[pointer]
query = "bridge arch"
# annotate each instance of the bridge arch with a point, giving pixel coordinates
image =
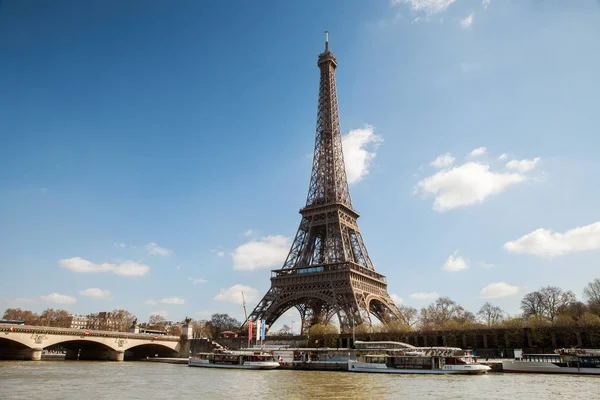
(149, 350)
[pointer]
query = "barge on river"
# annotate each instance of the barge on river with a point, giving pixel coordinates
(402, 358)
(564, 361)
(234, 360)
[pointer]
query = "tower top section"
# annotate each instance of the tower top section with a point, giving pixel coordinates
(327, 58)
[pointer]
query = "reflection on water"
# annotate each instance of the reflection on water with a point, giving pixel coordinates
(139, 380)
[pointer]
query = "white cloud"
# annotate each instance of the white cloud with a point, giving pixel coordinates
(248, 232)
(425, 296)
(196, 281)
(155, 250)
(485, 3)
(397, 299)
(178, 267)
(162, 313)
(120, 245)
(523, 165)
(270, 251)
(125, 268)
(455, 263)
(59, 298)
(545, 243)
(167, 300)
(467, 21)
(96, 293)
(480, 151)
(502, 156)
(234, 294)
(221, 254)
(465, 185)
(427, 6)
(356, 156)
(443, 160)
(497, 290)
(20, 302)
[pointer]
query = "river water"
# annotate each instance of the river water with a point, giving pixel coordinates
(143, 380)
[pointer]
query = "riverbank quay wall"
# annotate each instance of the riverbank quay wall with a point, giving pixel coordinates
(24, 342)
(486, 342)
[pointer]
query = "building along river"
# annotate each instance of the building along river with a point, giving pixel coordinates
(143, 380)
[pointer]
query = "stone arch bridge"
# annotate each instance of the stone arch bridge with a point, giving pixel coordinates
(28, 342)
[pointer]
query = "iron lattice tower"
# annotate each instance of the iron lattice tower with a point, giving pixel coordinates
(328, 271)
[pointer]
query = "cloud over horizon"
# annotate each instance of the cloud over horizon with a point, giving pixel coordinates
(95, 293)
(359, 146)
(58, 298)
(545, 243)
(467, 184)
(233, 294)
(167, 300)
(124, 268)
(498, 290)
(269, 251)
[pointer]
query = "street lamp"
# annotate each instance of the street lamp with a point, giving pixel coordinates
(293, 327)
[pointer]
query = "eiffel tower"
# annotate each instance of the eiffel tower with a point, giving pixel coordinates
(328, 271)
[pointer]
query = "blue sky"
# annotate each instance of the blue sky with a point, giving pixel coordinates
(155, 154)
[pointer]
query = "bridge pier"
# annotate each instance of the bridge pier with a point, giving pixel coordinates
(34, 354)
(116, 355)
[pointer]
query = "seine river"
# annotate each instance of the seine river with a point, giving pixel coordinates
(141, 380)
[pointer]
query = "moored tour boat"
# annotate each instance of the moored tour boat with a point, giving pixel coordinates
(234, 360)
(564, 361)
(402, 358)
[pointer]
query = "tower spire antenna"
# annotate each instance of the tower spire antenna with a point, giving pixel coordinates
(326, 40)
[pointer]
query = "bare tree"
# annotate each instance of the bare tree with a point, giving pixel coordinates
(57, 318)
(442, 311)
(555, 300)
(16, 314)
(174, 330)
(409, 315)
(285, 330)
(490, 314)
(202, 328)
(157, 322)
(547, 302)
(532, 304)
(122, 320)
(591, 294)
(223, 322)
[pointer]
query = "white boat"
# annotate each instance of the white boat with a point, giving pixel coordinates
(402, 358)
(234, 360)
(563, 361)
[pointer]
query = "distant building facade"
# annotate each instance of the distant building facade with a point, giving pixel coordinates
(79, 321)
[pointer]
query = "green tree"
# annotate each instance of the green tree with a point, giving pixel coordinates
(323, 335)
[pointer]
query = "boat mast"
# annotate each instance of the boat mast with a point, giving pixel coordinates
(244, 305)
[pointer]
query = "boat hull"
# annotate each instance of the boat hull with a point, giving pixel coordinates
(533, 367)
(355, 366)
(247, 365)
